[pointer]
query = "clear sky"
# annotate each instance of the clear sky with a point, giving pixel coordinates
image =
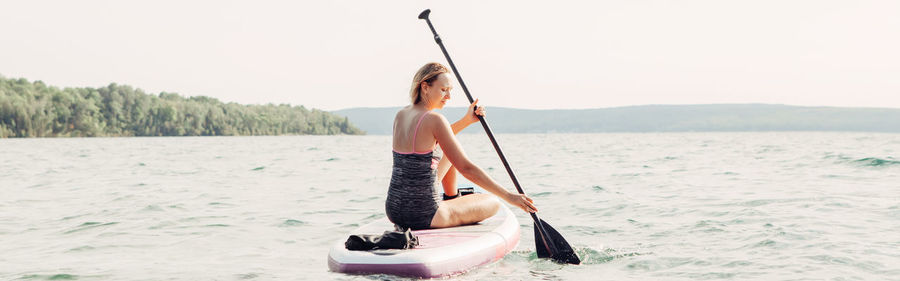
(525, 54)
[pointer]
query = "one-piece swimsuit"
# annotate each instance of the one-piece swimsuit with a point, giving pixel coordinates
(412, 198)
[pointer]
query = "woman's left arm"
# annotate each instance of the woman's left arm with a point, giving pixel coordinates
(470, 118)
(444, 165)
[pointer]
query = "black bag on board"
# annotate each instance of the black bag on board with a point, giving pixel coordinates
(389, 240)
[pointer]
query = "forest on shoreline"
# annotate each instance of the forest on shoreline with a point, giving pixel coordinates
(34, 109)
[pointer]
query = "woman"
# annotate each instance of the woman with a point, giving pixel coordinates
(413, 201)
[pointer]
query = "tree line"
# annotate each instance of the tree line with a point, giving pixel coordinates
(34, 109)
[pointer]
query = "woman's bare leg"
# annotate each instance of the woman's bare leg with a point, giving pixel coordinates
(449, 182)
(464, 210)
(446, 174)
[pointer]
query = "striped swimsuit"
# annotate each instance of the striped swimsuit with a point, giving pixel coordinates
(412, 198)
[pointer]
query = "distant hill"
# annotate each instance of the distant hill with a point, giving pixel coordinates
(657, 118)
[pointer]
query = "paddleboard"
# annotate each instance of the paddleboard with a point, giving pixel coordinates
(441, 252)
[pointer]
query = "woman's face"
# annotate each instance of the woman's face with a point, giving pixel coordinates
(438, 93)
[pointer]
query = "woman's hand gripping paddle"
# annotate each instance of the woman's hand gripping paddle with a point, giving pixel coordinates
(548, 242)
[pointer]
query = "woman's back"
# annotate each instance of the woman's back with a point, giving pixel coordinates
(409, 133)
(412, 197)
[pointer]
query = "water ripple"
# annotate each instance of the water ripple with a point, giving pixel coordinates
(754, 206)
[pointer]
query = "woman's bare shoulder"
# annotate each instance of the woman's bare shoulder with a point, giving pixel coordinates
(435, 122)
(402, 113)
(403, 110)
(435, 118)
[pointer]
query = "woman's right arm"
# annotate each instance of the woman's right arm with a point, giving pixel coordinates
(453, 151)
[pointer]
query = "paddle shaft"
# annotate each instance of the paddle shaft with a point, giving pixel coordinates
(487, 129)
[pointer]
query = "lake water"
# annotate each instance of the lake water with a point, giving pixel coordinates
(669, 206)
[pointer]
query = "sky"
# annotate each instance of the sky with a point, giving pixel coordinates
(525, 54)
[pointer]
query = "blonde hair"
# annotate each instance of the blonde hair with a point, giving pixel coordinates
(427, 73)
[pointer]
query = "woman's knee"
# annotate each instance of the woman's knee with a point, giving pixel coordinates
(493, 205)
(478, 207)
(466, 210)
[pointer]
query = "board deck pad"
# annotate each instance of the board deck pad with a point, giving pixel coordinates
(441, 252)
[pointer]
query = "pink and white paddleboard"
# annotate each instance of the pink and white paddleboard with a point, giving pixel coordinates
(441, 252)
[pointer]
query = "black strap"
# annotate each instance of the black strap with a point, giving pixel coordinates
(463, 191)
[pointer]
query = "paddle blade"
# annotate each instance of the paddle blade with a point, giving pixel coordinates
(559, 249)
(540, 246)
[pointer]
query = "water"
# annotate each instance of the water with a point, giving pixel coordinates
(673, 206)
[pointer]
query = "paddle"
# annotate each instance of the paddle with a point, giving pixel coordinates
(548, 242)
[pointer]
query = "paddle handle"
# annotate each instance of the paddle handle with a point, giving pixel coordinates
(484, 124)
(487, 129)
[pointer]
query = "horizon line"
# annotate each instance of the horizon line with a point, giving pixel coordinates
(637, 105)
